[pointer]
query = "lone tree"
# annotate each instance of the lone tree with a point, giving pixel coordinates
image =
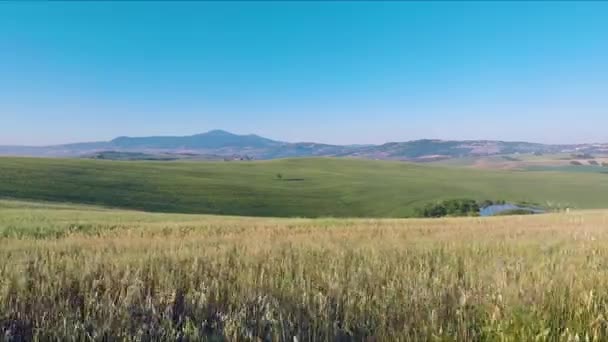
(279, 176)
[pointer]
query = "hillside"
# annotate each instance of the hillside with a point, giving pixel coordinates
(308, 187)
(225, 144)
(210, 140)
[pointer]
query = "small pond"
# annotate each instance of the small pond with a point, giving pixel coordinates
(501, 208)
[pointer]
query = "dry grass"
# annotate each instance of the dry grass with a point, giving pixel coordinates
(118, 275)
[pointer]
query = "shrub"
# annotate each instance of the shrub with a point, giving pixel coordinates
(487, 203)
(454, 207)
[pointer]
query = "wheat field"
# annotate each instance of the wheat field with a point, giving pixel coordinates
(86, 273)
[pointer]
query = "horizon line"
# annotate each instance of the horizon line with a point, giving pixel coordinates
(302, 142)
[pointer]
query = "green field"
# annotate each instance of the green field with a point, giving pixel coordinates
(309, 187)
(558, 162)
(76, 273)
(569, 168)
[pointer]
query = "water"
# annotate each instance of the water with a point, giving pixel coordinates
(501, 208)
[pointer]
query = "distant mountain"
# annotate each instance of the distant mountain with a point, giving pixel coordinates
(215, 139)
(218, 144)
(421, 150)
(115, 155)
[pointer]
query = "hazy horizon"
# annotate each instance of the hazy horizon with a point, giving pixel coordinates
(336, 73)
(298, 141)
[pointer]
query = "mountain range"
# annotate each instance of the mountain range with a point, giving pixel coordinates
(217, 144)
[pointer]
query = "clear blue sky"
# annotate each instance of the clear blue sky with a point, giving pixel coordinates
(339, 72)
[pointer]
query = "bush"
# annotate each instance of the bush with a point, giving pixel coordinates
(455, 207)
(487, 203)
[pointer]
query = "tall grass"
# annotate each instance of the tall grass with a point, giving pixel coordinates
(132, 276)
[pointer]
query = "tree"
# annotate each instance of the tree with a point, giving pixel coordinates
(279, 176)
(454, 207)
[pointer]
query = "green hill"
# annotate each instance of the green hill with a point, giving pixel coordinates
(308, 187)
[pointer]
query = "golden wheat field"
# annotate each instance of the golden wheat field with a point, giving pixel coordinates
(85, 273)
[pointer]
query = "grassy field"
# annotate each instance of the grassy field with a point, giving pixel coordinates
(308, 188)
(559, 162)
(85, 273)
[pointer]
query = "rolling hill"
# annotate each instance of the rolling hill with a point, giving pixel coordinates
(224, 144)
(314, 187)
(215, 143)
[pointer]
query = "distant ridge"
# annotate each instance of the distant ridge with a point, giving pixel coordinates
(210, 140)
(220, 143)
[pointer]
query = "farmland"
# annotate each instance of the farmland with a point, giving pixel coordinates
(307, 187)
(78, 262)
(84, 272)
(559, 162)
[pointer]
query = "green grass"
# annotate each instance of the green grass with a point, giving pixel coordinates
(309, 188)
(527, 162)
(78, 273)
(585, 168)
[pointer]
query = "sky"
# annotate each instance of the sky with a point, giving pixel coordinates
(330, 72)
